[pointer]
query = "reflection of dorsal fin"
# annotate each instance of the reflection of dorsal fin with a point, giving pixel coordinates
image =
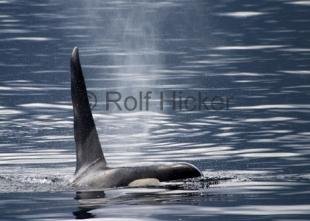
(88, 148)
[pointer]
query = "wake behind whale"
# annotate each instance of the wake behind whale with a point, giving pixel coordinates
(91, 167)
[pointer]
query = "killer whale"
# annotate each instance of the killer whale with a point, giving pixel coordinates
(91, 167)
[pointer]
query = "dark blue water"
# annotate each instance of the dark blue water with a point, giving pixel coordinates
(257, 150)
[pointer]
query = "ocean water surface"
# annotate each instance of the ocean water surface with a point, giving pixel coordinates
(255, 154)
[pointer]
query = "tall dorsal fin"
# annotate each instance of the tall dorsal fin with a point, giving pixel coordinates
(88, 148)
